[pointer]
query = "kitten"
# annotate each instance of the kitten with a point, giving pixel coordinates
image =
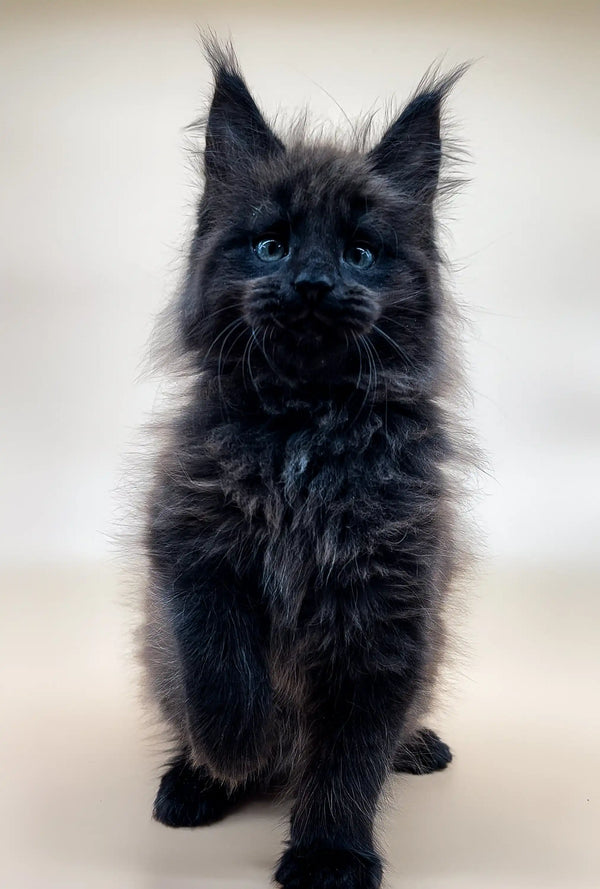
(300, 530)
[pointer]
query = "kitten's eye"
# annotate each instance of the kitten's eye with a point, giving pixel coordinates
(359, 255)
(270, 249)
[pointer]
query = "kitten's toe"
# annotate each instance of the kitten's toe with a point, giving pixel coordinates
(422, 754)
(188, 798)
(323, 868)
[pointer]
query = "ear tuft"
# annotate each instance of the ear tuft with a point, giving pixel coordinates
(236, 131)
(410, 151)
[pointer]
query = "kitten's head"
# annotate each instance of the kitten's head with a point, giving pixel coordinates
(309, 260)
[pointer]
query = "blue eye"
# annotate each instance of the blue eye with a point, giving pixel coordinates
(270, 249)
(359, 256)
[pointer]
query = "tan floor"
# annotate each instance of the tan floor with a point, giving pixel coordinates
(518, 808)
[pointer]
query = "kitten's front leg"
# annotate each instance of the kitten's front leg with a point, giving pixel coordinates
(228, 693)
(356, 713)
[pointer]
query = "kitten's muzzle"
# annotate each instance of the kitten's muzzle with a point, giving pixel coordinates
(312, 289)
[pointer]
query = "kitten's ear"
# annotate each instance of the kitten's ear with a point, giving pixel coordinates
(410, 151)
(236, 131)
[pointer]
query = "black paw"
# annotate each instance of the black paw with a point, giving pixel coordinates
(422, 754)
(188, 798)
(318, 868)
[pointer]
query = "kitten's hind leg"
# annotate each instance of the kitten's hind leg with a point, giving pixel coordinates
(189, 797)
(422, 754)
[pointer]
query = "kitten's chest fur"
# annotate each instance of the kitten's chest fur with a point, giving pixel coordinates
(314, 502)
(298, 479)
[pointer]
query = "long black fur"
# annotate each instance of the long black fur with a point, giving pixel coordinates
(301, 530)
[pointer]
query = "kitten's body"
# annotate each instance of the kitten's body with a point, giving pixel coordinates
(300, 531)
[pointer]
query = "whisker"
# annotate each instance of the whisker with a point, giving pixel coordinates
(263, 349)
(394, 344)
(243, 362)
(219, 363)
(252, 343)
(383, 377)
(359, 377)
(372, 371)
(231, 307)
(225, 332)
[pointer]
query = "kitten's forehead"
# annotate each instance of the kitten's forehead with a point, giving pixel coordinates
(319, 179)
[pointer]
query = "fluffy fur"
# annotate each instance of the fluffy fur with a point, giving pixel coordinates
(301, 529)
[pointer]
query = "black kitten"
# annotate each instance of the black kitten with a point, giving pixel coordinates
(301, 534)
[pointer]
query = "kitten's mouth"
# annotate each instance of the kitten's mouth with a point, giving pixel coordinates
(308, 317)
(310, 334)
(328, 323)
(316, 323)
(307, 342)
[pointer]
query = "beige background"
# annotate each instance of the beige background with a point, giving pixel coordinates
(96, 192)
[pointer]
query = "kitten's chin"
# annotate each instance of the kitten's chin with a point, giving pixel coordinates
(307, 354)
(308, 346)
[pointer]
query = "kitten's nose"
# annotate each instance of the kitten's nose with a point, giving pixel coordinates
(313, 287)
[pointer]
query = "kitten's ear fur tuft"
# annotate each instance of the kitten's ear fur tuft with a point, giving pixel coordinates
(236, 131)
(410, 151)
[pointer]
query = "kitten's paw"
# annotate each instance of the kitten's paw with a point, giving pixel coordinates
(306, 867)
(188, 798)
(422, 754)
